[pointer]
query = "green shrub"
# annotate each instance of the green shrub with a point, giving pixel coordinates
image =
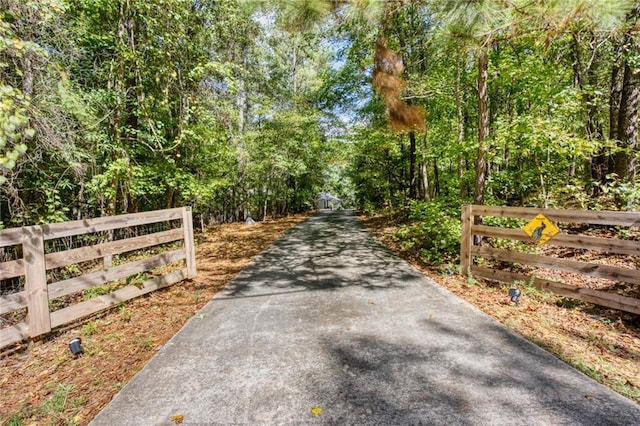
(433, 232)
(507, 243)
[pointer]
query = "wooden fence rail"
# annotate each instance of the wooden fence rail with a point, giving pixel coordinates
(469, 251)
(35, 262)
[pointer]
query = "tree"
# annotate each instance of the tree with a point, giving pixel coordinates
(627, 132)
(43, 128)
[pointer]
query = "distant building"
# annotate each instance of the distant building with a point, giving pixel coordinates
(327, 201)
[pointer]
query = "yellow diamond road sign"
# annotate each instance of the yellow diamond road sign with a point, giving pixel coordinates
(540, 229)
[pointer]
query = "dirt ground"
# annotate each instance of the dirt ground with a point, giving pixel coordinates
(45, 385)
(602, 343)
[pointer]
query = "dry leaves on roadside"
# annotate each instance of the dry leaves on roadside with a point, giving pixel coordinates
(46, 385)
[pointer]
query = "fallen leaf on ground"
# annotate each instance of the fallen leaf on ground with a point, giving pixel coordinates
(222, 251)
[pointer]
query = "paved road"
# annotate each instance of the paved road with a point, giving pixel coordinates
(327, 317)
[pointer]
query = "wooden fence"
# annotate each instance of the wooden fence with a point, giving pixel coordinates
(469, 250)
(31, 269)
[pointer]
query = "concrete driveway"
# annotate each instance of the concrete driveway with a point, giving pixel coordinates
(326, 326)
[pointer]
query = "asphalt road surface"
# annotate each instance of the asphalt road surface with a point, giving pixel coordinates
(326, 326)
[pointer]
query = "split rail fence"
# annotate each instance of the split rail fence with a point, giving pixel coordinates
(470, 250)
(83, 242)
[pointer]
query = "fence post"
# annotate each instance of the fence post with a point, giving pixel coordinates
(189, 246)
(107, 261)
(466, 240)
(35, 276)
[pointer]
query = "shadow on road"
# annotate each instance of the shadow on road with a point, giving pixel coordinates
(456, 378)
(327, 317)
(324, 252)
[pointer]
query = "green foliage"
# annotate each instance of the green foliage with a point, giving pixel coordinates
(125, 313)
(58, 408)
(433, 232)
(90, 328)
(58, 402)
(376, 168)
(137, 280)
(15, 420)
(626, 194)
(91, 292)
(504, 222)
(252, 108)
(14, 104)
(14, 128)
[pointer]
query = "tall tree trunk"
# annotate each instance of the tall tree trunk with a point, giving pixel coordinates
(389, 192)
(436, 177)
(602, 164)
(585, 73)
(423, 174)
(483, 126)
(423, 181)
(625, 160)
(614, 97)
(412, 165)
(403, 178)
(460, 114)
(577, 61)
(615, 94)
